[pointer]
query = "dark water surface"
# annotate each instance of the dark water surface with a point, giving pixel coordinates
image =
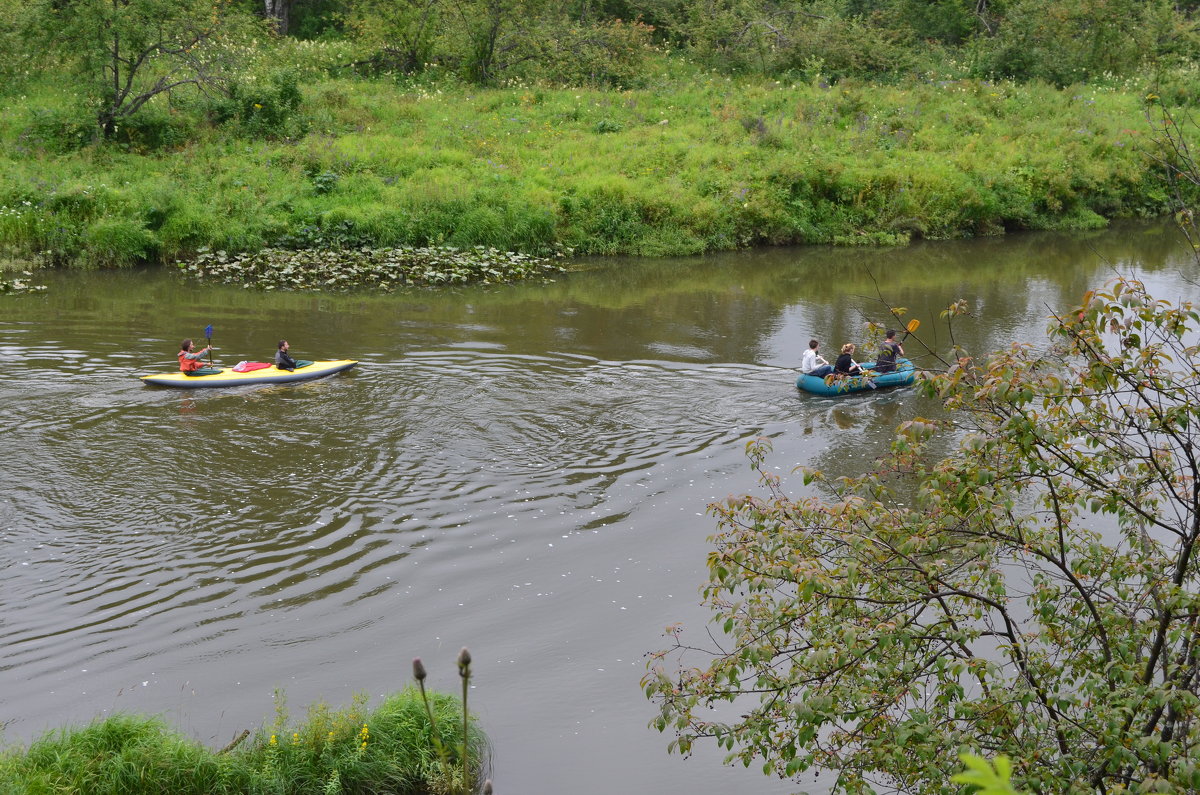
(522, 470)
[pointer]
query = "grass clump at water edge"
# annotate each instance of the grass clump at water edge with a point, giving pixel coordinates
(410, 743)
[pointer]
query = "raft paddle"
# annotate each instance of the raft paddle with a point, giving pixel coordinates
(208, 337)
(912, 326)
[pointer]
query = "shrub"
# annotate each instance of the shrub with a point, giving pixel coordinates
(119, 242)
(609, 53)
(353, 749)
(152, 130)
(264, 109)
(60, 130)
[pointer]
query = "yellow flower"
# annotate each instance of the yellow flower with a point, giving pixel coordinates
(272, 739)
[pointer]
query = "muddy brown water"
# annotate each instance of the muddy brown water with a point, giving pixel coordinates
(523, 470)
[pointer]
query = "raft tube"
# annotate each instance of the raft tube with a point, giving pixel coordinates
(835, 386)
(269, 375)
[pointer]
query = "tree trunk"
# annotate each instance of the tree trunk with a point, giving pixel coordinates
(280, 11)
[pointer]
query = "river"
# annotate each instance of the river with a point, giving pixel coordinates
(522, 470)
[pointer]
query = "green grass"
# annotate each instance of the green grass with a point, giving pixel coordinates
(350, 750)
(694, 162)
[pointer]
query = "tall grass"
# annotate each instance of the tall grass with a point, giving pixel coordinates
(391, 748)
(694, 162)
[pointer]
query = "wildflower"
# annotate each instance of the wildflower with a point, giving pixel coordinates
(273, 739)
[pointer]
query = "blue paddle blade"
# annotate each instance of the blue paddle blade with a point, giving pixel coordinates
(208, 332)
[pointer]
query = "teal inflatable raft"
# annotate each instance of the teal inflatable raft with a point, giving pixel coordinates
(834, 386)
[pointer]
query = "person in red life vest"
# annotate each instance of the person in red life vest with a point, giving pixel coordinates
(190, 362)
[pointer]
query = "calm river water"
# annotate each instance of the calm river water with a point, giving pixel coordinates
(522, 470)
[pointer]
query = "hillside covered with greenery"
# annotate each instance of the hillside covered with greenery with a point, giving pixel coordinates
(149, 130)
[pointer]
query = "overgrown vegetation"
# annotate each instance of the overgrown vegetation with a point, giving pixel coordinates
(415, 742)
(146, 130)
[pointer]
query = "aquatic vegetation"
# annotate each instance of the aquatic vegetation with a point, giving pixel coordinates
(378, 268)
(18, 285)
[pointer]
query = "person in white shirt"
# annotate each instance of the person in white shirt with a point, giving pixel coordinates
(812, 363)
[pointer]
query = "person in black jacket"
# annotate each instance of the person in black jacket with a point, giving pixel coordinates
(845, 364)
(283, 360)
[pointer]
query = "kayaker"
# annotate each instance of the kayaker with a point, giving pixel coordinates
(889, 350)
(284, 360)
(845, 364)
(813, 363)
(189, 359)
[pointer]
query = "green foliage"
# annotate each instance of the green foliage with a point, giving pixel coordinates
(264, 108)
(352, 749)
(1032, 593)
(125, 53)
(611, 54)
(983, 779)
(399, 34)
(60, 130)
(693, 162)
(1076, 40)
(119, 242)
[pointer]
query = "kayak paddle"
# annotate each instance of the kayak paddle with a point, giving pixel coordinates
(208, 337)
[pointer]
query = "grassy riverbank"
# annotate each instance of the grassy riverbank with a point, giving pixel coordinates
(353, 749)
(694, 161)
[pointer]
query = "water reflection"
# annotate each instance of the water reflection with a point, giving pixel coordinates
(524, 470)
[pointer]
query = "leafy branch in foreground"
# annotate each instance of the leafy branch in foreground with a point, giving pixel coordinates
(1034, 594)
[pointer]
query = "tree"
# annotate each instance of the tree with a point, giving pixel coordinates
(1036, 593)
(1171, 132)
(493, 35)
(402, 32)
(279, 12)
(127, 52)
(1071, 41)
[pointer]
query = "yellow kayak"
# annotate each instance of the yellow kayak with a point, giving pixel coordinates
(268, 375)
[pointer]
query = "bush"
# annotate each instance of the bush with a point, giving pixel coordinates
(60, 130)
(353, 749)
(604, 54)
(153, 130)
(119, 242)
(266, 109)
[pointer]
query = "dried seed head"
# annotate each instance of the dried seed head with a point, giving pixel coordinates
(418, 669)
(464, 661)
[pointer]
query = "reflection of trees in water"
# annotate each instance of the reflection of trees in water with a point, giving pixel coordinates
(860, 428)
(719, 308)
